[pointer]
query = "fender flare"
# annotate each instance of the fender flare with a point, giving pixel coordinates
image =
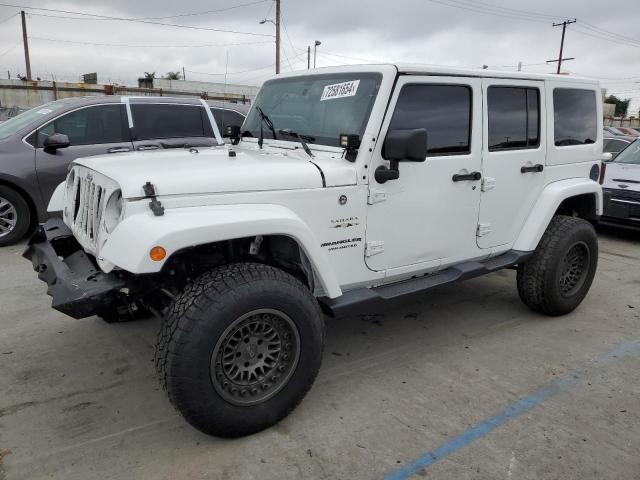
(129, 244)
(546, 206)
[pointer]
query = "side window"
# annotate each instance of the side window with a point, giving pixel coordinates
(612, 146)
(514, 118)
(88, 126)
(575, 118)
(443, 110)
(223, 117)
(167, 121)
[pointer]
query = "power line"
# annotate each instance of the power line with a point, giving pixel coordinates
(10, 49)
(205, 12)
(77, 42)
(9, 17)
(125, 19)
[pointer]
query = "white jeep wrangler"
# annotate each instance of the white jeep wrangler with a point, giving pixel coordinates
(345, 185)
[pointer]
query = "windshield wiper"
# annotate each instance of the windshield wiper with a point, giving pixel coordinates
(303, 139)
(264, 119)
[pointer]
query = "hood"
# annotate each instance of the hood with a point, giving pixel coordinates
(622, 176)
(212, 170)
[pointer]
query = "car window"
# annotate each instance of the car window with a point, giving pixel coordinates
(514, 118)
(88, 126)
(631, 154)
(575, 117)
(34, 115)
(153, 121)
(613, 146)
(224, 117)
(443, 110)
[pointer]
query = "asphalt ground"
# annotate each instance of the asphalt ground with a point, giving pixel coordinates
(463, 382)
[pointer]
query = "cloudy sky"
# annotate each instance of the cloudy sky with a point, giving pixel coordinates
(605, 41)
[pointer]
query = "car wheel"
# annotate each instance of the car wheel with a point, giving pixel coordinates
(557, 277)
(240, 348)
(15, 216)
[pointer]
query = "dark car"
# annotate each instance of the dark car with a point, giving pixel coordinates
(37, 146)
(614, 145)
(621, 188)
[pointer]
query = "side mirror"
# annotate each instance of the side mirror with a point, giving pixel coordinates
(607, 156)
(55, 141)
(232, 132)
(406, 145)
(401, 146)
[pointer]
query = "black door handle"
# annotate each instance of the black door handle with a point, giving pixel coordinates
(459, 177)
(532, 169)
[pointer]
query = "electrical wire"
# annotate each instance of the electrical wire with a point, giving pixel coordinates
(125, 19)
(77, 42)
(9, 17)
(10, 49)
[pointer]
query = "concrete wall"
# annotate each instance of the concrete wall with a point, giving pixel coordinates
(19, 95)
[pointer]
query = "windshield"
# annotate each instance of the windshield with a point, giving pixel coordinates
(631, 154)
(318, 106)
(14, 124)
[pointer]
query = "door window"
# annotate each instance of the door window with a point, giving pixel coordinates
(88, 126)
(224, 117)
(443, 110)
(152, 121)
(514, 118)
(575, 117)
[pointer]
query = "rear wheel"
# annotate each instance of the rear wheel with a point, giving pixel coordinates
(555, 280)
(15, 216)
(240, 348)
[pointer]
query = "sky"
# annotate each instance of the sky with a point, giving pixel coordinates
(605, 40)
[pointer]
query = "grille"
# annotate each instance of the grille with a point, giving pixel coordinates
(87, 209)
(623, 194)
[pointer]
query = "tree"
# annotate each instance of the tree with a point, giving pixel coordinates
(149, 76)
(621, 105)
(173, 76)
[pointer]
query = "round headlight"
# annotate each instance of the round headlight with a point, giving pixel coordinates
(113, 210)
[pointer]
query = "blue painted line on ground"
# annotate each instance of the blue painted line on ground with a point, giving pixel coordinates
(515, 409)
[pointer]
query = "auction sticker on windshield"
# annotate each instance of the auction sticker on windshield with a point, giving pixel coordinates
(340, 90)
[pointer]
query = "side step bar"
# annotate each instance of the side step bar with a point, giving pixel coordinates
(350, 300)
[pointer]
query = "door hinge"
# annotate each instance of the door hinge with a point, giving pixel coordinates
(483, 229)
(376, 196)
(373, 248)
(488, 183)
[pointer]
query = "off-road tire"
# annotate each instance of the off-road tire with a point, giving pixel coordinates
(539, 278)
(196, 323)
(22, 214)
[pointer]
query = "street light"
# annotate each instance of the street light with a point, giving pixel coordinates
(277, 25)
(315, 46)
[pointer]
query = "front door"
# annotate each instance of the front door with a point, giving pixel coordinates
(92, 130)
(513, 165)
(428, 217)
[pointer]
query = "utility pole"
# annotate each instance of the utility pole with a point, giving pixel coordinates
(25, 42)
(308, 57)
(277, 36)
(564, 29)
(184, 75)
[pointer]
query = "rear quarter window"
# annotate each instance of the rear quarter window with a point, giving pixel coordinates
(575, 117)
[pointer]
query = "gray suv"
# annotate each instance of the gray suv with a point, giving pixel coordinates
(37, 146)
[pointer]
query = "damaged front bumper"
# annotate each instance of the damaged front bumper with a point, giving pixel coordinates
(76, 284)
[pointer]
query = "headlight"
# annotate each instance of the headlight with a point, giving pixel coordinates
(113, 210)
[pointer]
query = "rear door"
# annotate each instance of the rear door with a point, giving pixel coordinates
(513, 160)
(92, 130)
(170, 125)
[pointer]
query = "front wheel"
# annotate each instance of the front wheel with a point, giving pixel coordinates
(555, 280)
(240, 348)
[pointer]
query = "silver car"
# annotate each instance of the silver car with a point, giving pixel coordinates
(37, 146)
(621, 188)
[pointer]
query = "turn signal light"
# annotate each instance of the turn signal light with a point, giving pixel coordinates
(157, 254)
